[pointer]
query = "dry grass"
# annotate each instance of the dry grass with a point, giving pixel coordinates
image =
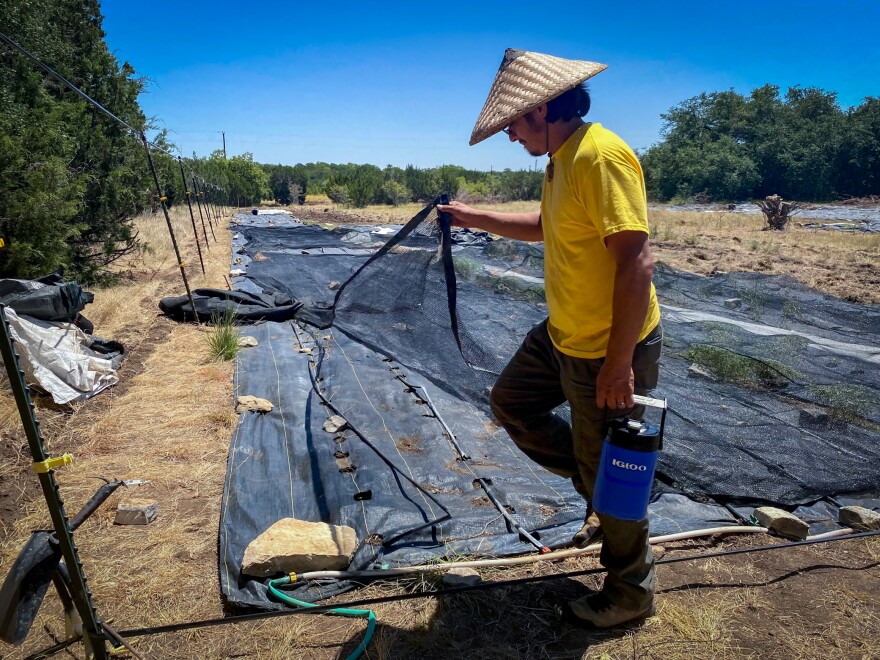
(170, 421)
(839, 263)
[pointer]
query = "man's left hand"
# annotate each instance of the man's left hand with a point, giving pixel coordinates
(614, 386)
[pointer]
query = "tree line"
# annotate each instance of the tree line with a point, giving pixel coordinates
(72, 180)
(801, 145)
(361, 185)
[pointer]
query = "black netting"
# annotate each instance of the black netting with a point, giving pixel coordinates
(773, 387)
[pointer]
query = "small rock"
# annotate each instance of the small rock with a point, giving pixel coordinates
(461, 577)
(136, 512)
(297, 546)
(659, 551)
(696, 371)
(860, 518)
(248, 342)
(248, 403)
(237, 261)
(784, 523)
(335, 423)
(304, 349)
(733, 303)
(401, 326)
(333, 285)
(236, 272)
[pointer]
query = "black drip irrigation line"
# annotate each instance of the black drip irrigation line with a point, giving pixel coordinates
(422, 393)
(485, 484)
(323, 609)
(313, 376)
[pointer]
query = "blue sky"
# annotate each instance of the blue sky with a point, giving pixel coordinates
(403, 83)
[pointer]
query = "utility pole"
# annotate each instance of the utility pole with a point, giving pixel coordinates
(223, 133)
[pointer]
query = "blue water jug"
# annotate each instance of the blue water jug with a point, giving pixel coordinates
(627, 465)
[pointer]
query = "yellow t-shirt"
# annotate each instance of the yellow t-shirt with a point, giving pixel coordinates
(596, 189)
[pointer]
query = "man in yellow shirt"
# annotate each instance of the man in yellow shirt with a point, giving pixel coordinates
(601, 343)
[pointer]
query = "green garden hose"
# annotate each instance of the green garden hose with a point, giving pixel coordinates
(363, 614)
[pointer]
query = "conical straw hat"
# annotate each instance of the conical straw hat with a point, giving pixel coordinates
(524, 81)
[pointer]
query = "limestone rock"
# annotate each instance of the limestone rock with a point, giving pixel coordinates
(248, 403)
(248, 342)
(860, 518)
(335, 423)
(696, 371)
(297, 546)
(236, 272)
(785, 523)
(136, 512)
(333, 285)
(733, 303)
(461, 577)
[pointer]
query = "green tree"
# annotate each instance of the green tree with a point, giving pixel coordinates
(71, 178)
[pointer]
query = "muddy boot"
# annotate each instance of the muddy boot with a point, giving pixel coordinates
(597, 611)
(590, 533)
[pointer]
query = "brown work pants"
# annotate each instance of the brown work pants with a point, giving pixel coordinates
(538, 379)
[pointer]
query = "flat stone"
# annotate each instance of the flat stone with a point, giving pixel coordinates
(860, 518)
(333, 285)
(696, 371)
(658, 551)
(236, 272)
(297, 546)
(335, 423)
(136, 512)
(248, 342)
(461, 577)
(784, 523)
(733, 303)
(248, 403)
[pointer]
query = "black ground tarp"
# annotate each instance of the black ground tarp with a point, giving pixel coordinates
(787, 433)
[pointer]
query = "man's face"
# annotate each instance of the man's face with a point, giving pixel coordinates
(530, 131)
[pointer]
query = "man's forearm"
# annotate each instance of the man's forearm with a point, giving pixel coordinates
(520, 226)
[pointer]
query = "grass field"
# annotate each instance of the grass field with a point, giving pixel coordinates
(170, 421)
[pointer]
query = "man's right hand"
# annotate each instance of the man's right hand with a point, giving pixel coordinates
(521, 226)
(462, 214)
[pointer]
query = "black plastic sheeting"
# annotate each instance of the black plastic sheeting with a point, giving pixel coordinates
(397, 477)
(48, 298)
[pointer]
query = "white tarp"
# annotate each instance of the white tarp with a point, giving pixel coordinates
(56, 357)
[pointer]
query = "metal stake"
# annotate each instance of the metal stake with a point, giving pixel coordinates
(180, 262)
(92, 630)
(187, 193)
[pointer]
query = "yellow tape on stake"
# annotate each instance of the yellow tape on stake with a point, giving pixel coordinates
(42, 467)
